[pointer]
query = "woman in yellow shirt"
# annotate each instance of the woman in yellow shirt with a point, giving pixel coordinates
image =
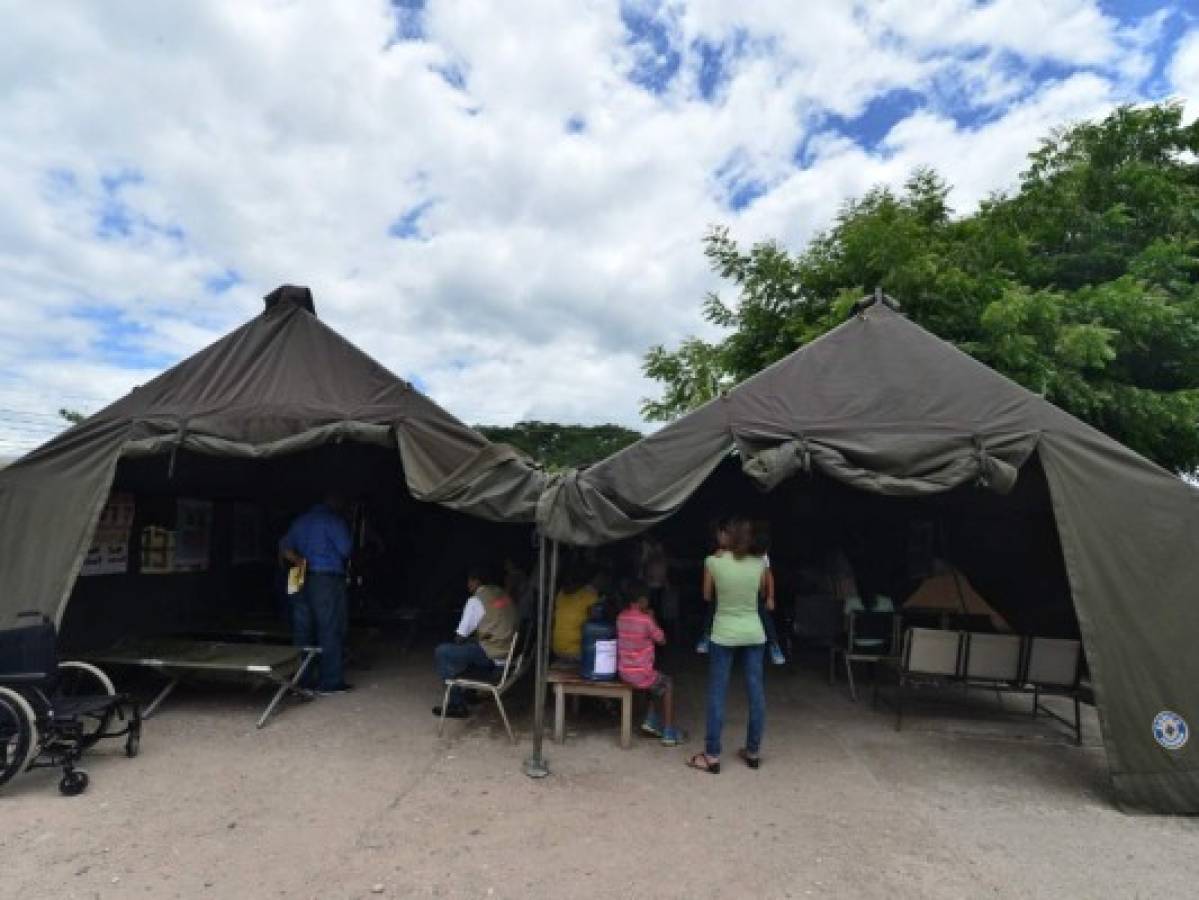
(571, 608)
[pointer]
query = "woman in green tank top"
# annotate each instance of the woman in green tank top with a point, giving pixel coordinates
(733, 580)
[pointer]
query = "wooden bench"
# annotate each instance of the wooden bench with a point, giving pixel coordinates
(571, 683)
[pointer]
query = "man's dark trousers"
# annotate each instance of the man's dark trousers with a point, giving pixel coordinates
(318, 618)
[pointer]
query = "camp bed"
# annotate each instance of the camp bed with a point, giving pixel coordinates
(178, 658)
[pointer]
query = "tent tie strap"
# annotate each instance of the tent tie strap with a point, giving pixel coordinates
(771, 467)
(182, 436)
(993, 473)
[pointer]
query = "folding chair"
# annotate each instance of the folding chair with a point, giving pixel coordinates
(872, 637)
(515, 665)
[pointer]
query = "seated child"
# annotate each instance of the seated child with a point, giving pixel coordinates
(636, 634)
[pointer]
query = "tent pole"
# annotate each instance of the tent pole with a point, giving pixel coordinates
(535, 765)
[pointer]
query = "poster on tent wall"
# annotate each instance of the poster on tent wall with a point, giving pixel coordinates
(247, 534)
(109, 551)
(193, 535)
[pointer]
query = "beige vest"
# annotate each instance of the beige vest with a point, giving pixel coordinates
(499, 621)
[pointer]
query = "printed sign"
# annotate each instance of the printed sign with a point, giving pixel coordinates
(109, 552)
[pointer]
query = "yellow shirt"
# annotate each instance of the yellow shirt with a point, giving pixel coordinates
(570, 612)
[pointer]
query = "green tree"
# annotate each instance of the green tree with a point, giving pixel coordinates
(72, 416)
(1082, 284)
(562, 446)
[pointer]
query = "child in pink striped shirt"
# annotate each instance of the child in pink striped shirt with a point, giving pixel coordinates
(636, 634)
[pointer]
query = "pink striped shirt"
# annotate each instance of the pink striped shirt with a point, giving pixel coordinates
(636, 634)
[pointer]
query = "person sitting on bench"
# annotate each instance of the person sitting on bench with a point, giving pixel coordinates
(636, 633)
(571, 608)
(483, 637)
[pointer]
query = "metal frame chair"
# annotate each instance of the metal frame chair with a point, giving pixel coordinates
(866, 626)
(515, 665)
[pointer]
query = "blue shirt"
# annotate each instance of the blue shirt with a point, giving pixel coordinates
(322, 537)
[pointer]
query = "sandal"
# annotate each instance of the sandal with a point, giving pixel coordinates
(704, 764)
(752, 761)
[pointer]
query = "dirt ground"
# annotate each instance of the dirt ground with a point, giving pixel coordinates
(356, 796)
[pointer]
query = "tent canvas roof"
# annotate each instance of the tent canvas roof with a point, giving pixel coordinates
(884, 406)
(282, 382)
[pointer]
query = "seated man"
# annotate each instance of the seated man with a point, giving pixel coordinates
(637, 631)
(483, 638)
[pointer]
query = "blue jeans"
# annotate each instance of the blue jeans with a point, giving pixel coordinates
(720, 667)
(453, 660)
(317, 619)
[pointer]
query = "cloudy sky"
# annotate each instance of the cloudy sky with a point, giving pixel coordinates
(503, 202)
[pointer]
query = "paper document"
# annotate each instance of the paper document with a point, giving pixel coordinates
(295, 577)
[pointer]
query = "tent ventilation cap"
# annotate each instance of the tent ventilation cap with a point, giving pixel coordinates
(871, 299)
(290, 294)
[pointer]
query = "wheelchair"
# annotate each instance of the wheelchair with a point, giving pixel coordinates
(52, 711)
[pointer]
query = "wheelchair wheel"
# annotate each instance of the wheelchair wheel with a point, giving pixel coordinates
(80, 679)
(133, 743)
(18, 734)
(73, 783)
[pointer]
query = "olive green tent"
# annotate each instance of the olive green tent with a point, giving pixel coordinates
(881, 405)
(280, 385)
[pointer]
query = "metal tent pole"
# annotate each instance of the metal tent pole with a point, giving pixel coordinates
(535, 765)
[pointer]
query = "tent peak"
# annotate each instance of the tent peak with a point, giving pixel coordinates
(878, 297)
(290, 294)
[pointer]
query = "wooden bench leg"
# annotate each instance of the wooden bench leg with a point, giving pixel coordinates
(559, 714)
(626, 720)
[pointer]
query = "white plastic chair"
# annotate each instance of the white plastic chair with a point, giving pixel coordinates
(515, 665)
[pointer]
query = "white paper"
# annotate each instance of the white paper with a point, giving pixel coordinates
(605, 657)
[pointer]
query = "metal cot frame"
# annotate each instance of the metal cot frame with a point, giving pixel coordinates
(281, 665)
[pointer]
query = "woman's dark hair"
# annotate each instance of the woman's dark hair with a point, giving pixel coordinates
(486, 571)
(576, 576)
(741, 537)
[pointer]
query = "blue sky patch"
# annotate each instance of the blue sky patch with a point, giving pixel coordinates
(658, 59)
(118, 340)
(451, 74)
(408, 225)
(740, 189)
(409, 18)
(880, 115)
(222, 281)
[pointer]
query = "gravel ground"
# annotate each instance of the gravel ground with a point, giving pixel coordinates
(356, 796)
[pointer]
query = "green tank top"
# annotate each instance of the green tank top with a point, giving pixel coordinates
(737, 581)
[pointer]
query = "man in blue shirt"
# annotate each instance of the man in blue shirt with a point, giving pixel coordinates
(321, 538)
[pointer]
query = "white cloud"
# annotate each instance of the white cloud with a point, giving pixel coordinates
(1184, 72)
(148, 150)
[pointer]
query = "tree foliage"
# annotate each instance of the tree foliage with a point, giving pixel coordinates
(561, 446)
(1082, 284)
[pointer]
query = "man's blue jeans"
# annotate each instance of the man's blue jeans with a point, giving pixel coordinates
(720, 667)
(453, 660)
(317, 618)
